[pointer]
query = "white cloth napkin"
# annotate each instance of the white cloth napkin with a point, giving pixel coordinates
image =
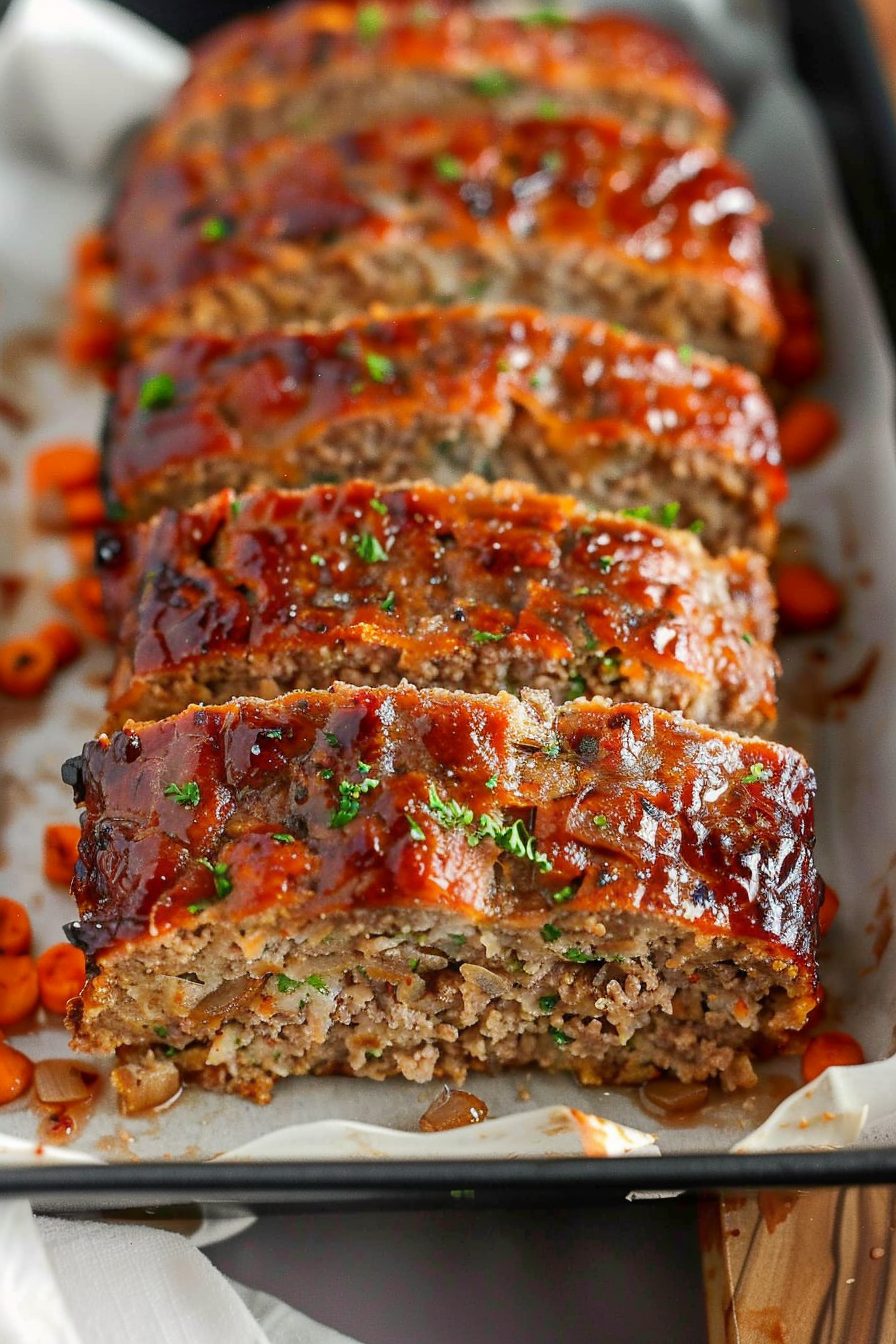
(74, 1282)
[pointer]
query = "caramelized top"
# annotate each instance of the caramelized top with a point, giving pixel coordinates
(254, 66)
(437, 578)
(583, 386)
(329, 801)
(572, 184)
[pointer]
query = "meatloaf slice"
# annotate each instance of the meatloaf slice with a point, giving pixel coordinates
(581, 216)
(480, 588)
(569, 404)
(413, 882)
(330, 68)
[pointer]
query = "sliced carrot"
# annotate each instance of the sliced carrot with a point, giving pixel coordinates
(807, 598)
(68, 464)
(63, 640)
(829, 1049)
(807, 429)
(19, 989)
(60, 853)
(83, 599)
(61, 972)
(799, 357)
(827, 911)
(16, 1073)
(27, 665)
(81, 545)
(15, 927)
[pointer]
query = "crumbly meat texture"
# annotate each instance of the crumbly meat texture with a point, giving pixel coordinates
(569, 404)
(581, 216)
(325, 69)
(415, 882)
(479, 588)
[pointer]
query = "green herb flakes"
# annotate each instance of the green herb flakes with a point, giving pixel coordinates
(388, 602)
(696, 526)
(185, 794)
(576, 687)
(214, 229)
(492, 783)
(449, 814)
(284, 838)
(515, 840)
(548, 1002)
(487, 636)
(416, 830)
(552, 750)
(333, 739)
(601, 822)
(448, 168)
(378, 506)
(157, 392)
(223, 883)
(287, 986)
(492, 84)
(370, 21)
(550, 933)
(547, 109)
(686, 354)
(606, 563)
(161, 1032)
(543, 18)
(369, 549)
(668, 513)
(559, 1037)
(317, 560)
(748, 638)
(380, 367)
(350, 795)
(564, 894)
(757, 774)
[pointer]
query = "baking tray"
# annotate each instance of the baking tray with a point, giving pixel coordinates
(835, 58)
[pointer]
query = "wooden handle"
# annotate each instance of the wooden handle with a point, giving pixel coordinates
(808, 1267)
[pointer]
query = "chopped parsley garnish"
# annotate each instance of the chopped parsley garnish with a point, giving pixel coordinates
(369, 549)
(380, 367)
(450, 814)
(371, 20)
(516, 840)
(286, 985)
(559, 1037)
(373, 1054)
(416, 830)
(448, 168)
(236, 507)
(214, 229)
(600, 821)
(317, 559)
(606, 563)
(492, 783)
(459, 938)
(686, 353)
(487, 636)
(185, 794)
(502, 365)
(550, 933)
(221, 874)
(544, 18)
(668, 513)
(157, 392)
(317, 982)
(161, 1032)
(477, 288)
(388, 602)
(696, 526)
(548, 110)
(325, 774)
(552, 161)
(576, 954)
(413, 963)
(748, 638)
(552, 750)
(565, 893)
(333, 739)
(539, 378)
(276, 733)
(492, 84)
(756, 774)
(350, 795)
(548, 1002)
(576, 687)
(378, 506)
(644, 513)
(284, 838)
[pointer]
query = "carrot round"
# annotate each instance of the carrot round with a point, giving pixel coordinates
(15, 928)
(63, 640)
(829, 1049)
(83, 507)
(807, 429)
(16, 1073)
(68, 464)
(799, 357)
(27, 665)
(83, 599)
(807, 599)
(60, 853)
(61, 972)
(827, 911)
(19, 989)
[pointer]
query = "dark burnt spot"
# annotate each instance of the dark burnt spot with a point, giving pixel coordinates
(73, 776)
(616, 722)
(588, 747)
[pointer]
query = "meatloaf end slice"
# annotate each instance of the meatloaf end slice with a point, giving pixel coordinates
(327, 69)
(580, 216)
(421, 883)
(566, 403)
(479, 588)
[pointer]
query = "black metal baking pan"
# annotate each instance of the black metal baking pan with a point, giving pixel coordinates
(834, 55)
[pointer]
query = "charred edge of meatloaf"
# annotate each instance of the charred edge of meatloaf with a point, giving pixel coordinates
(614, 999)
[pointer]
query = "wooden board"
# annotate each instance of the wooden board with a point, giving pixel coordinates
(810, 1267)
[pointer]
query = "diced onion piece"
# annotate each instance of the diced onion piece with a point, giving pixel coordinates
(145, 1086)
(58, 1082)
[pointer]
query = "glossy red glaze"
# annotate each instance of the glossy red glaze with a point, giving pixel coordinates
(578, 384)
(581, 183)
(488, 587)
(258, 61)
(652, 812)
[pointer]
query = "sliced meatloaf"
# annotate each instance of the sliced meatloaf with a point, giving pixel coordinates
(328, 68)
(569, 404)
(581, 216)
(482, 588)
(412, 882)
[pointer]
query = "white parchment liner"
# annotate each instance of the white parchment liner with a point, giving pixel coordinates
(75, 76)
